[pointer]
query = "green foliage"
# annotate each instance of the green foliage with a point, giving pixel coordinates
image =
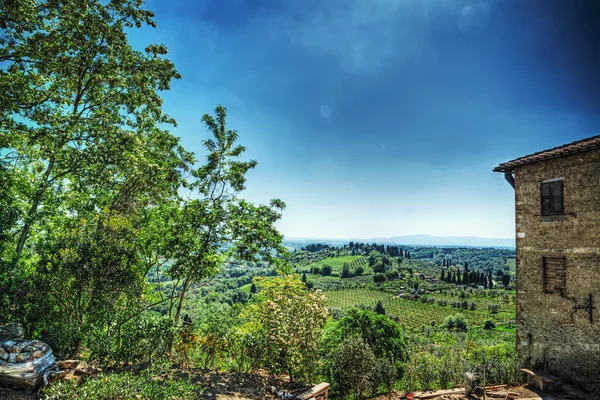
(87, 276)
(489, 324)
(353, 365)
(383, 335)
(291, 319)
(379, 309)
(346, 271)
(456, 322)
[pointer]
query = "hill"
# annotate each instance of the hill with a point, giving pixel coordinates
(421, 240)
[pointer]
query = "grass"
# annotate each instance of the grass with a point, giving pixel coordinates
(414, 313)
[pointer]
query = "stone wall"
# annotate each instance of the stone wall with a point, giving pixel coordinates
(565, 345)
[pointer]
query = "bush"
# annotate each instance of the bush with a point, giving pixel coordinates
(456, 322)
(378, 278)
(385, 337)
(359, 271)
(392, 275)
(493, 308)
(489, 324)
(353, 366)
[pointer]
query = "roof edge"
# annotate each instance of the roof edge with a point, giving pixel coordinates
(579, 146)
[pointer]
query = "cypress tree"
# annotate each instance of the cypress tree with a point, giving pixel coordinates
(379, 308)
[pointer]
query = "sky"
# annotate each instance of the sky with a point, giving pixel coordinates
(379, 118)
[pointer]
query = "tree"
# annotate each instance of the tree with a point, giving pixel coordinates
(304, 278)
(443, 277)
(345, 271)
(379, 309)
(88, 273)
(253, 288)
(456, 322)
(215, 225)
(326, 270)
(506, 280)
(353, 367)
(80, 105)
(383, 335)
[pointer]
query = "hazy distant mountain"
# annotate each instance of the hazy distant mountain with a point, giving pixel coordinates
(415, 240)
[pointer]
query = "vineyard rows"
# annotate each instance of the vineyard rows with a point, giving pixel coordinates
(416, 313)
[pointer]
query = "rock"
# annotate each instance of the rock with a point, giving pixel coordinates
(10, 331)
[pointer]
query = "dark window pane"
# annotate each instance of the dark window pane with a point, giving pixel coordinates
(546, 189)
(551, 194)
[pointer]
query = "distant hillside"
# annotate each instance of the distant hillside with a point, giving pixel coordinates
(423, 240)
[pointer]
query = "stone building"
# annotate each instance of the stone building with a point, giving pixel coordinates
(557, 196)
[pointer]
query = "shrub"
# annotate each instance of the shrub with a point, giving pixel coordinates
(493, 308)
(353, 366)
(385, 337)
(291, 334)
(489, 324)
(392, 275)
(359, 271)
(378, 278)
(456, 322)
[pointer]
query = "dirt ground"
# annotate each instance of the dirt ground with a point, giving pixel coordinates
(522, 393)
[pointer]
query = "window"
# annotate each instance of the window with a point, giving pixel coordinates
(552, 198)
(555, 275)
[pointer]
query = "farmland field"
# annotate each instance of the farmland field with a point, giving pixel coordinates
(337, 263)
(512, 264)
(416, 313)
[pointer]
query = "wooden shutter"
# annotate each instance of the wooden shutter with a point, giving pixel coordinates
(551, 198)
(557, 197)
(546, 198)
(555, 275)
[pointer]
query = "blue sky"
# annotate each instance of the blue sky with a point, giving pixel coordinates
(375, 118)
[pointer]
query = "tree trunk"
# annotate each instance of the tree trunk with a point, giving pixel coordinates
(186, 283)
(76, 350)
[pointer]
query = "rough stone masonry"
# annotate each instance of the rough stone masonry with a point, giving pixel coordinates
(558, 260)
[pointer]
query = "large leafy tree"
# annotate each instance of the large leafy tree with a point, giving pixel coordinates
(80, 108)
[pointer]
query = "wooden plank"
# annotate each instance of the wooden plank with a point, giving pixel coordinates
(314, 391)
(431, 395)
